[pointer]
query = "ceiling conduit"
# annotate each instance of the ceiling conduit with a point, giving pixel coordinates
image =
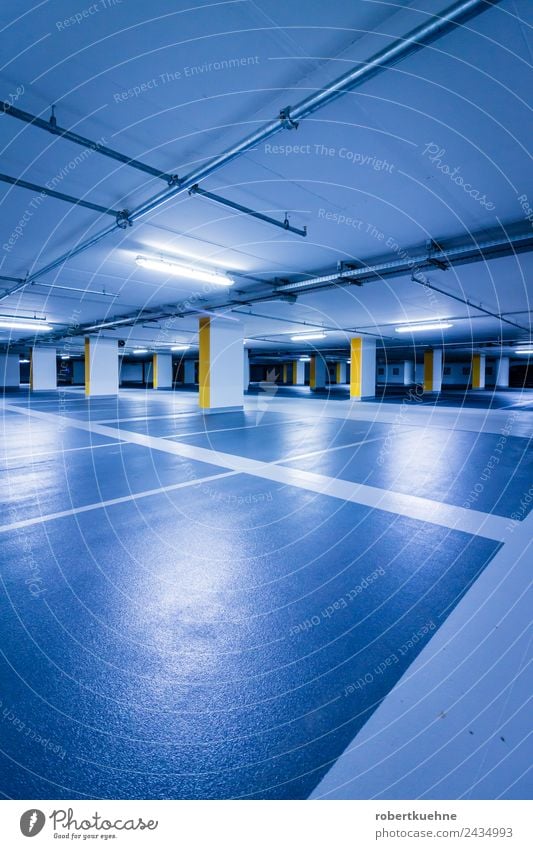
(456, 14)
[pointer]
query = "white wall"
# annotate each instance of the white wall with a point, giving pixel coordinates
(103, 361)
(9, 370)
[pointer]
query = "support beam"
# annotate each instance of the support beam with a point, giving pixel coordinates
(362, 368)
(433, 370)
(43, 369)
(478, 371)
(162, 371)
(246, 370)
(317, 372)
(101, 366)
(9, 371)
(221, 346)
(502, 373)
(298, 373)
(408, 373)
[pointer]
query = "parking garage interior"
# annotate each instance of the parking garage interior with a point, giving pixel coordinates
(267, 400)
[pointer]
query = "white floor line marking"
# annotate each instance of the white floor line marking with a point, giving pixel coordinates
(29, 457)
(487, 525)
(185, 414)
(98, 505)
(231, 429)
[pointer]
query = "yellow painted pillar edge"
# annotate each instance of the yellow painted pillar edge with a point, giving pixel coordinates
(476, 371)
(87, 366)
(204, 376)
(154, 371)
(428, 371)
(312, 373)
(356, 367)
(294, 372)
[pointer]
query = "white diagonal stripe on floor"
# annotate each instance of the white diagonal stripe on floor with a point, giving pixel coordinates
(412, 506)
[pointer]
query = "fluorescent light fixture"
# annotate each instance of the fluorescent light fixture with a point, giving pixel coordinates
(24, 361)
(25, 324)
(349, 362)
(110, 323)
(140, 351)
(415, 328)
(180, 347)
(65, 356)
(305, 359)
(206, 275)
(524, 351)
(307, 337)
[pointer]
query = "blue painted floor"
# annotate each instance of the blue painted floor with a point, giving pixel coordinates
(230, 638)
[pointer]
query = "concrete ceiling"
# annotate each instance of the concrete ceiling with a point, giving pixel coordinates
(173, 84)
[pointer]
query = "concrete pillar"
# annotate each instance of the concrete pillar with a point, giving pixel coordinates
(43, 369)
(317, 372)
(502, 372)
(188, 371)
(162, 371)
(478, 371)
(246, 371)
(298, 373)
(362, 367)
(433, 370)
(340, 372)
(408, 372)
(9, 371)
(221, 348)
(101, 366)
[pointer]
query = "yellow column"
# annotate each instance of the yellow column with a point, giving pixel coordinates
(428, 371)
(478, 371)
(204, 376)
(154, 371)
(363, 367)
(284, 379)
(87, 349)
(356, 369)
(312, 373)
(294, 373)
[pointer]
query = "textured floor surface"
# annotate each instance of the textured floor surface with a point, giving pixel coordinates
(214, 606)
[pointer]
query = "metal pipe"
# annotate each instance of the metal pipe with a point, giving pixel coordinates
(456, 13)
(51, 127)
(13, 181)
(287, 119)
(504, 244)
(196, 190)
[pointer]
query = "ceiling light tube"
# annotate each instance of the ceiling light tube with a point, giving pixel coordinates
(524, 351)
(26, 324)
(180, 347)
(415, 328)
(141, 351)
(307, 337)
(190, 272)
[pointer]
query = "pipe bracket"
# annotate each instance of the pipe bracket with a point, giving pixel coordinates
(286, 120)
(123, 219)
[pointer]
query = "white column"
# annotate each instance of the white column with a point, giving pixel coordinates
(9, 371)
(433, 370)
(43, 369)
(246, 370)
(317, 372)
(298, 373)
(340, 372)
(101, 366)
(162, 371)
(188, 371)
(502, 372)
(478, 371)
(221, 344)
(363, 367)
(408, 372)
